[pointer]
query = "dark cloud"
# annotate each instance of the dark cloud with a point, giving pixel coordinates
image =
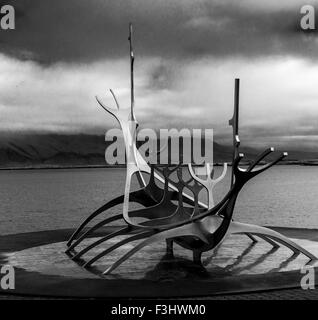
(162, 76)
(84, 31)
(63, 53)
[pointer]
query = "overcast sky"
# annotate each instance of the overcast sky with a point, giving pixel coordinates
(188, 53)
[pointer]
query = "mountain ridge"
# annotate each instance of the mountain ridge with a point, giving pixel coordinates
(60, 150)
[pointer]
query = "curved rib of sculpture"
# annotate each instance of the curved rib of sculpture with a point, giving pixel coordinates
(200, 227)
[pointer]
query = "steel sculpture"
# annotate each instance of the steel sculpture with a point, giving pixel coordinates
(169, 213)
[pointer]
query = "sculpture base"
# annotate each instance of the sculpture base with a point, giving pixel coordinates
(43, 269)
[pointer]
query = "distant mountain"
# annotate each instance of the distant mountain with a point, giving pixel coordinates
(58, 150)
(46, 150)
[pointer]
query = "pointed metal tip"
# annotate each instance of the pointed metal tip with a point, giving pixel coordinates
(98, 100)
(130, 27)
(108, 270)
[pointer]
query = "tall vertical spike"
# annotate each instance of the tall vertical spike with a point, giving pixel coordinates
(234, 122)
(132, 59)
(132, 93)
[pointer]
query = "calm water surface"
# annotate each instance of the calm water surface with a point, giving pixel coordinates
(33, 200)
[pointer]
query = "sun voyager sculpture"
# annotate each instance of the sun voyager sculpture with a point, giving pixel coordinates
(168, 212)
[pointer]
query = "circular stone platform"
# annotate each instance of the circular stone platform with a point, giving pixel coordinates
(43, 269)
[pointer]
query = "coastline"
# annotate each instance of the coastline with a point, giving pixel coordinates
(97, 166)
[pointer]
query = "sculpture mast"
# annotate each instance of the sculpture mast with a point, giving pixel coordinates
(132, 95)
(234, 122)
(132, 59)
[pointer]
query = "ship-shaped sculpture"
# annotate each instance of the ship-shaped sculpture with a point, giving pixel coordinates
(168, 213)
